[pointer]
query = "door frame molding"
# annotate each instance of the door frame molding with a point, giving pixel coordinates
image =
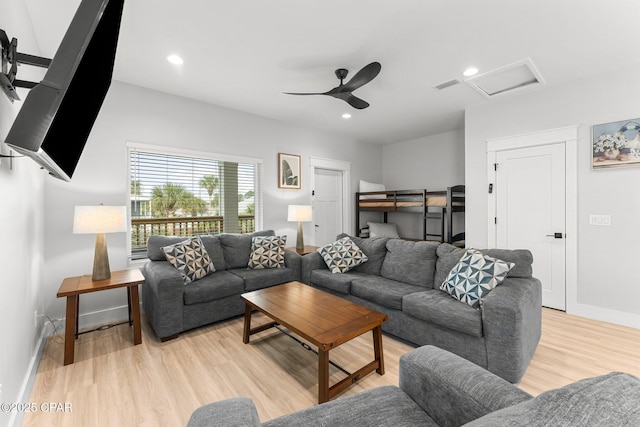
(345, 169)
(568, 136)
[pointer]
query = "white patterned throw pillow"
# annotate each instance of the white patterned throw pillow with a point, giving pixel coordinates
(267, 252)
(474, 276)
(342, 255)
(190, 258)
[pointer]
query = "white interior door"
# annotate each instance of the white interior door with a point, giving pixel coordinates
(530, 212)
(327, 205)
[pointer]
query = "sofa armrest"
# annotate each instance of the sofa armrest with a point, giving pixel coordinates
(163, 299)
(293, 260)
(511, 323)
(239, 411)
(452, 390)
(310, 262)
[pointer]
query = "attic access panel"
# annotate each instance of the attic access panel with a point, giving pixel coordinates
(506, 79)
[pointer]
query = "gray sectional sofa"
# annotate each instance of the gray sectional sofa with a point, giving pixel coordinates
(438, 388)
(173, 307)
(401, 279)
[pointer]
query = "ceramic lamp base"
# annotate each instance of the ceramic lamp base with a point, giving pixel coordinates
(101, 270)
(300, 240)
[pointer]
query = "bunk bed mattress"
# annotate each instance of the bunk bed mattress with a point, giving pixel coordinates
(439, 201)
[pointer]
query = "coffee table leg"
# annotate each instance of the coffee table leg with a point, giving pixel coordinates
(247, 323)
(323, 375)
(377, 348)
(70, 329)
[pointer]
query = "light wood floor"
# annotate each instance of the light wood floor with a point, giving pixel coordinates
(114, 383)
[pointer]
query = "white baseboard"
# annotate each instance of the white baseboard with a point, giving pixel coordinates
(101, 317)
(30, 377)
(606, 315)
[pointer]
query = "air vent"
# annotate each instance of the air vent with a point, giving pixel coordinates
(447, 84)
(506, 79)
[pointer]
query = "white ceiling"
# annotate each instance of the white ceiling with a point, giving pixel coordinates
(243, 54)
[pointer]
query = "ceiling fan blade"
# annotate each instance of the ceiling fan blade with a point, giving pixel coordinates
(362, 77)
(303, 93)
(356, 102)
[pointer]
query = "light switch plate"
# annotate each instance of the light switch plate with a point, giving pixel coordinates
(600, 220)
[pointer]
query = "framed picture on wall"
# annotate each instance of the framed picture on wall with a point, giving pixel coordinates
(616, 144)
(288, 171)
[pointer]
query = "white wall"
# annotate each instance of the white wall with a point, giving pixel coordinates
(433, 162)
(131, 113)
(608, 288)
(22, 251)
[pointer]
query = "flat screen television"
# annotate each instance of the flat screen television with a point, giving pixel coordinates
(54, 123)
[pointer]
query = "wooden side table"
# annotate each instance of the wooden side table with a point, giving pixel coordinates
(72, 287)
(307, 249)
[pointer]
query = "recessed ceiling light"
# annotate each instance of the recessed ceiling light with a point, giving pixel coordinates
(175, 59)
(346, 116)
(471, 71)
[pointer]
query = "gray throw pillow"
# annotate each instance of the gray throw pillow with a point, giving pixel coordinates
(377, 230)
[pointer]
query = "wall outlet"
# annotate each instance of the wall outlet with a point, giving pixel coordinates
(600, 220)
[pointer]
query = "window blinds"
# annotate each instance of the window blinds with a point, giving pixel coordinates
(179, 194)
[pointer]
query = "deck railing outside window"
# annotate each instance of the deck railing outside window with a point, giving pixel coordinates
(142, 228)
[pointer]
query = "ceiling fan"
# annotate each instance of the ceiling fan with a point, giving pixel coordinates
(344, 90)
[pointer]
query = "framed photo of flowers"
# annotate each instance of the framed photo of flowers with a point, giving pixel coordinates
(616, 144)
(288, 171)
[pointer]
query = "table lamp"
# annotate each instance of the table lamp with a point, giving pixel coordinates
(300, 213)
(100, 220)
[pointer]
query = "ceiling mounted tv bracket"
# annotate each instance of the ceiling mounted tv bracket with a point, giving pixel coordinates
(10, 55)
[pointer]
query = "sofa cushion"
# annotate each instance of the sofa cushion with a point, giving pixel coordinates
(215, 286)
(267, 252)
(258, 279)
(155, 243)
(474, 276)
(449, 255)
(190, 258)
(385, 292)
(609, 400)
(340, 282)
(237, 247)
(410, 262)
(385, 406)
(214, 249)
(342, 255)
(436, 307)
(374, 249)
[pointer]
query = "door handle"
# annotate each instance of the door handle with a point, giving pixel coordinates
(317, 226)
(555, 235)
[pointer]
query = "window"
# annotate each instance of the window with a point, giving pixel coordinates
(186, 194)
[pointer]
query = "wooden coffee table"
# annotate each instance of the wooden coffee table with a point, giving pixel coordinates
(324, 320)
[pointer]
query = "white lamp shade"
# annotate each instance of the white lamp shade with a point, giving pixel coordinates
(300, 213)
(99, 219)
